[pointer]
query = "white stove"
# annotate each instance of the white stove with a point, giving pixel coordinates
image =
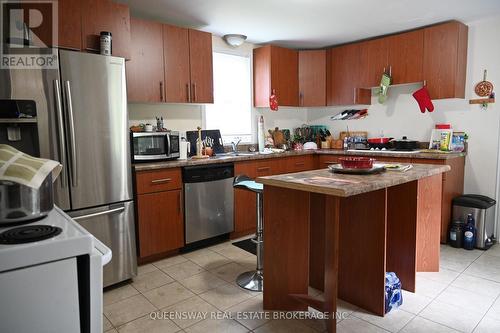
(52, 284)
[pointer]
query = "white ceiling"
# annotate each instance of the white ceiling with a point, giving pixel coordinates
(310, 23)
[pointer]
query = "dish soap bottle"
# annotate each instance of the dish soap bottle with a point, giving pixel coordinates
(470, 233)
(260, 134)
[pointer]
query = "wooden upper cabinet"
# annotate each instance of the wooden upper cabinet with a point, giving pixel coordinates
(104, 15)
(406, 53)
(312, 78)
(276, 68)
(70, 24)
(343, 72)
(145, 82)
(445, 59)
(201, 66)
(373, 62)
(176, 54)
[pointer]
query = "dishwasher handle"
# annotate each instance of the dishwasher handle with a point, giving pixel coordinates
(207, 173)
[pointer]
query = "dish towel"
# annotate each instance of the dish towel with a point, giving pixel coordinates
(21, 168)
(385, 82)
(423, 99)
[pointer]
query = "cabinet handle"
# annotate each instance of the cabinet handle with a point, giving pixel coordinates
(300, 163)
(263, 168)
(390, 70)
(180, 203)
(330, 162)
(188, 88)
(301, 99)
(194, 92)
(160, 181)
(161, 91)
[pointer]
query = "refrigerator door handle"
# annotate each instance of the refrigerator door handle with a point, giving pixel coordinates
(105, 212)
(60, 127)
(69, 105)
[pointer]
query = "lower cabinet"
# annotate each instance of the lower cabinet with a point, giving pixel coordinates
(245, 202)
(161, 227)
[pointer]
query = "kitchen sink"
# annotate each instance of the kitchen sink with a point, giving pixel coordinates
(230, 154)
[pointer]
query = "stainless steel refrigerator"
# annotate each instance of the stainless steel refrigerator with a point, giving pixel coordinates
(83, 123)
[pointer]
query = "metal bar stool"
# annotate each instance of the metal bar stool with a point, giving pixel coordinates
(253, 280)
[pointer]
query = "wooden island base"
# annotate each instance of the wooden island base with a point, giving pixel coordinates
(345, 245)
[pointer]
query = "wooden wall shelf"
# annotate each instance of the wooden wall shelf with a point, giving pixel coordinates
(482, 101)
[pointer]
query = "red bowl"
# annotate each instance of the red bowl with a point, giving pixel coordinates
(356, 162)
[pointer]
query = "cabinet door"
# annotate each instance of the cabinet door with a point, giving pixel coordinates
(160, 222)
(406, 53)
(373, 54)
(245, 217)
(201, 66)
(284, 75)
(104, 15)
(70, 24)
(312, 78)
(145, 70)
(176, 57)
(343, 74)
(445, 60)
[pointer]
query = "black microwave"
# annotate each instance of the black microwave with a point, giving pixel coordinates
(154, 146)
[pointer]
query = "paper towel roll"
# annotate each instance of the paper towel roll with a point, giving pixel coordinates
(183, 147)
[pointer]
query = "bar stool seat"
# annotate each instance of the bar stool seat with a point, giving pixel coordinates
(253, 280)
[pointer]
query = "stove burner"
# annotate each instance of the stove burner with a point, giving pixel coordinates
(28, 234)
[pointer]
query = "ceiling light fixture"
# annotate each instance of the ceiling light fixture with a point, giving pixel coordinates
(234, 40)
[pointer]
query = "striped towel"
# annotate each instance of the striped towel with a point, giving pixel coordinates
(21, 168)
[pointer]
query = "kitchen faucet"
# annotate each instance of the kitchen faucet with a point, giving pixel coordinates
(235, 145)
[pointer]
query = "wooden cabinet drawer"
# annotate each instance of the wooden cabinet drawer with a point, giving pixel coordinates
(299, 163)
(326, 160)
(269, 167)
(158, 180)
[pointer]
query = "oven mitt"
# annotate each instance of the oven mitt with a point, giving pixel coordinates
(385, 81)
(423, 99)
(273, 101)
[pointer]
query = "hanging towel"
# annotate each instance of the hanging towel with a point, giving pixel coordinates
(21, 168)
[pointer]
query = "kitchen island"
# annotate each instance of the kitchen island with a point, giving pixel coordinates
(342, 233)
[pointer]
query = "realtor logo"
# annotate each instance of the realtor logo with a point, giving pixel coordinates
(28, 32)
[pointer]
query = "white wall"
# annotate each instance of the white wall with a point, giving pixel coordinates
(401, 115)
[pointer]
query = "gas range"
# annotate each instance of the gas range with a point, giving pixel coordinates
(387, 151)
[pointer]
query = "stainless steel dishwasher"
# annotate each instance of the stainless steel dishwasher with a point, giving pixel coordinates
(208, 201)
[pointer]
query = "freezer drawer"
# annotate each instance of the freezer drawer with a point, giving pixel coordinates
(114, 226)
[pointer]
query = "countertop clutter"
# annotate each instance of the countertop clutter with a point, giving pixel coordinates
(256, 156)
(342, 185)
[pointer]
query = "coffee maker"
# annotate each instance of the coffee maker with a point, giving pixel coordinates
(18, 125)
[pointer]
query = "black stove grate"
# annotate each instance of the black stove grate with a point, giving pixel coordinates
(28, 234)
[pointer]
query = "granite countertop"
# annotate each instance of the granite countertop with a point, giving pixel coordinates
(255, 156)
(325, 182)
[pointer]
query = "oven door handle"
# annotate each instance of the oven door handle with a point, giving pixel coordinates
(104, 212)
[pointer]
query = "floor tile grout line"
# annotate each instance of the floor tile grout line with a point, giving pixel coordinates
(479, 322)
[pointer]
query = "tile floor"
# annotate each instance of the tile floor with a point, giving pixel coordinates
(462, 297)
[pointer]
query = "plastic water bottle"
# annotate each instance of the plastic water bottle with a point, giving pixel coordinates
(470, 233)
(393, 295)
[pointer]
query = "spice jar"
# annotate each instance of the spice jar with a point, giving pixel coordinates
(105, 42)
